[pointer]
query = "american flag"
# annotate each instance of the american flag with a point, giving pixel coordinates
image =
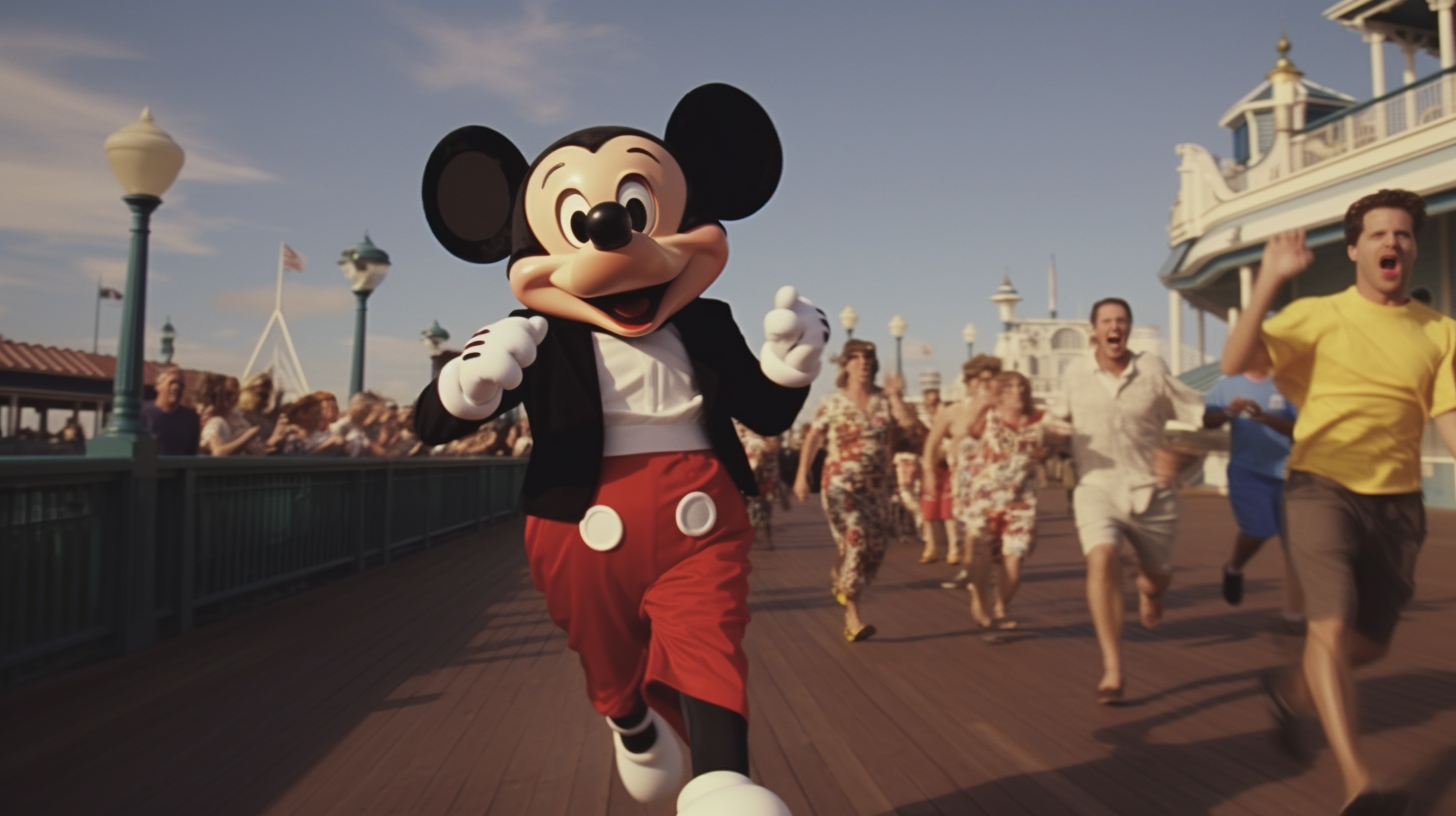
(292, 260)
(107, 293)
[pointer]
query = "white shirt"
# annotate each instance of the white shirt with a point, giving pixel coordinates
(650, 401)
(1118, 421)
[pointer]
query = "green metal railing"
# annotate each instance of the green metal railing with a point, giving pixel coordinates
(71, 584)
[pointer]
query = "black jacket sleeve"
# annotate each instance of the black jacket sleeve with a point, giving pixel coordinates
(435, 426)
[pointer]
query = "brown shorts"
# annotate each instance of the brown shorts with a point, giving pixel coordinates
(1355, 555)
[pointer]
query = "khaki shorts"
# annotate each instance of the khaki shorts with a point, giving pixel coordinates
(1355, 555)
(1105, 518)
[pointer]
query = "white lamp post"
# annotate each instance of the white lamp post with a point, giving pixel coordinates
(897, 331)
(847, 319)
(968, 334)
(146, 161)
(365, 267)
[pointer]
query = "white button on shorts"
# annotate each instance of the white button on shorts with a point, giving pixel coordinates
(601, 528)
(696, 514)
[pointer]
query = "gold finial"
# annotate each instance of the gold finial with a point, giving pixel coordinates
(1283, 65)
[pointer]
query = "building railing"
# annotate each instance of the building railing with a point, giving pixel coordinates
(1355, 128)
(225, 528)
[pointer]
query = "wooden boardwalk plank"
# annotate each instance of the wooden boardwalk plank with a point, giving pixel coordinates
(440, 686)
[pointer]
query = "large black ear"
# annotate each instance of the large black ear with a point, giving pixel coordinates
(471, 183)
(729, 150)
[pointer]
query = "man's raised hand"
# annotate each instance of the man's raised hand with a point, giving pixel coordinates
(1285, 256)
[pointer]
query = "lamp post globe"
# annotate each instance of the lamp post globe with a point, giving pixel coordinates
(364, 266)
(897, 331)
(145, 161)
(847, 319)
(968, 334)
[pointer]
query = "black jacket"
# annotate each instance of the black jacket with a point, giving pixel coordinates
(564, 401)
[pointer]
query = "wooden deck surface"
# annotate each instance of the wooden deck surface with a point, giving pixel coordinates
(439, 685)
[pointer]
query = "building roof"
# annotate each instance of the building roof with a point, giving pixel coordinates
(1262, 98)
(1201, 379)
(30, 358)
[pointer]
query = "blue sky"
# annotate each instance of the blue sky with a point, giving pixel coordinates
(929, 148)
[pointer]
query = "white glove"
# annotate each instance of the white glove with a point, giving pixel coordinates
(471, 385)
(795, 331)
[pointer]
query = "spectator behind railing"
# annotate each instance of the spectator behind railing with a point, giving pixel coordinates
(175, 425)
(258, 406)
(523, 443)
(224, 430)
(303, 427)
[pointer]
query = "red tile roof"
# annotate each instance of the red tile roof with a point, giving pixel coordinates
(31, 358)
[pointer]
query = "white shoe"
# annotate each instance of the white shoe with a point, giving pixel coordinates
(656, 773)
(728, 793)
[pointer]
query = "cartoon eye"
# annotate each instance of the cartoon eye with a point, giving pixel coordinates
(637, 198)
(571, 212)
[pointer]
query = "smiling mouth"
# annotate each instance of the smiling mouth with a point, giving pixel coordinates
(632, 309)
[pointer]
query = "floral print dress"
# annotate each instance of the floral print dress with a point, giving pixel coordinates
(857, 486)
(765, 466)
(995, 495)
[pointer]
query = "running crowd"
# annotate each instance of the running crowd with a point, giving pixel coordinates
(1327, 402)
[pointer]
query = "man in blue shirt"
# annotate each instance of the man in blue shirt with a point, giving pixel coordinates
(1261, 424)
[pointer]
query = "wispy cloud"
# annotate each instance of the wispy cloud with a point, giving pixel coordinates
(57, 186)
(531, 62)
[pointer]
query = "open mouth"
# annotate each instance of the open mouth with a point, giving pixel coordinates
(1389, 266)
(634, 308)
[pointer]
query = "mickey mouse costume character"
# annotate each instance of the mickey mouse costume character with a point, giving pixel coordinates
(636, 531)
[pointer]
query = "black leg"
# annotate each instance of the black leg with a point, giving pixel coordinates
(637, 743)
(718, 737)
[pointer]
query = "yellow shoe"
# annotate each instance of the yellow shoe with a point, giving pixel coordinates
(865, 633)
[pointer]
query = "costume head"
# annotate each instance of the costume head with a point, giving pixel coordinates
(610, 226)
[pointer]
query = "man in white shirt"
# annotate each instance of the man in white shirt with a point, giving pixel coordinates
(1120, 402)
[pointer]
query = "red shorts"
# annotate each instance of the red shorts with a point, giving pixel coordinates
(938, 506)
(663, 612)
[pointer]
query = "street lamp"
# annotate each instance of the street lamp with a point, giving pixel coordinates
(968, 334)
(365, 267)
(434, 339)
(146, 161)
(169, 339)
(897, 331)
(847, 319)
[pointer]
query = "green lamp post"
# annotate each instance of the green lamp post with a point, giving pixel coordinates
(365, 267)
(897, 331)
(146, 161)
(169, 340)
(434, 339)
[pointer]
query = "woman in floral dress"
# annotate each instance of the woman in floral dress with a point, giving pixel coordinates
(763, 457)
(995, 498)
(859, 422)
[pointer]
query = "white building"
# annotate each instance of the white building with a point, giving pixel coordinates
(1302, 153)
(1043, 348)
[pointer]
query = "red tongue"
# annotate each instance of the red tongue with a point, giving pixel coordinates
(634, 307)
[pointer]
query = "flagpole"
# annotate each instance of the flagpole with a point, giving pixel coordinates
(96, 326)
(278, 294)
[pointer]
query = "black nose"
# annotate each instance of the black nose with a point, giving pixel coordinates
(609, 226)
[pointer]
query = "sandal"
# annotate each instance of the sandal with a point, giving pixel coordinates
(865, 633)
(1109, 696)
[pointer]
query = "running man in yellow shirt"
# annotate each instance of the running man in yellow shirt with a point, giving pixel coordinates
(1366, 367)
